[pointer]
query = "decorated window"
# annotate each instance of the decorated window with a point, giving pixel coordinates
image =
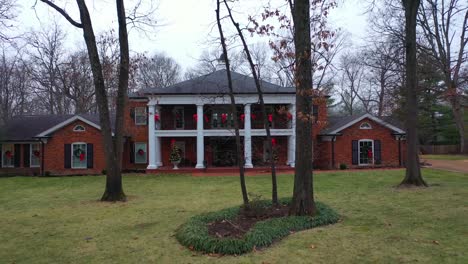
(366, 152)
(79, 156)
(35, 155)
(79, 128)
(178, 117)
(8, 155)
(140, 115)
(140, 153)
(365, 125)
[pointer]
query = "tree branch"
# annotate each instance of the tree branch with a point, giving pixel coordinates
(63, 13)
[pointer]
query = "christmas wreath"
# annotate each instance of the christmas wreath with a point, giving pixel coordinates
(141, 152)
(8, 154)
(79, 153)
(36, 153)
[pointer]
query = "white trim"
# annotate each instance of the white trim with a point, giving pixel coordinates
(222, 132)
(86, 155)
(75, 129)
(135, 152)
(67, 122)
(191, 99)
(31, 155)
(361, 126)
(359, 152)
(13, 155)
(371, 117)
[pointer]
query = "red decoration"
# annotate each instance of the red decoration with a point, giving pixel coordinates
(253, 116)
(270, 118)
(242, 117)
(206, 118)
(82, 156)
(141, 152)
(8, 154)
(195, 117)
(223, 118)
(273, 142)
(289, 116)
(156, 117)
(173, 142)
(369, 153)
(36, 153)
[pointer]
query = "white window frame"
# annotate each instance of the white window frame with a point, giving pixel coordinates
(13, 155)
(79, 128)
(31, 155)
(176, 108)
(359, 152)
(365, 123)
(145, 116)
(86, 155)
(135, 153)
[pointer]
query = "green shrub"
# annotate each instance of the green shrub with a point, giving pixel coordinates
(194, 233)
(343, 166)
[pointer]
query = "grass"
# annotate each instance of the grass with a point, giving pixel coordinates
(58, 220)
(445, 157)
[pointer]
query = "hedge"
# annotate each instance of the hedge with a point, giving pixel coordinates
(194, 233)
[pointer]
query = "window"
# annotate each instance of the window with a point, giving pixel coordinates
(365, 125)
(140, 153)
(79, 128)
(222, 119)
(366, 152)
(79, 156)
(35, 155)
(178, 117)
(140, 115)
(8, 155)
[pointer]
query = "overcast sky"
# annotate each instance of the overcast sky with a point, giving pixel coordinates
(184, 25)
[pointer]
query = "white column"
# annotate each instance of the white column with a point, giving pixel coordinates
(292, 138)
(151, 139)
(157, 140)
(247, 138)
(200, 138)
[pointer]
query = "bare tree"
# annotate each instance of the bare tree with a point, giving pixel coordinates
(159, 71)
(351, 81)
(7, 15)
(445, 27)
(113, 146)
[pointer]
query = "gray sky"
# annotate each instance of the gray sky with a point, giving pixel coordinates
(185, 25)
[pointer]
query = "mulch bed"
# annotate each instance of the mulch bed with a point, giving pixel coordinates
(239, 226)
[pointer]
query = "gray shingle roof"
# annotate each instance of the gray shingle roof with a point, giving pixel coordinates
(216, 83)
(335, 122)
(26, 127)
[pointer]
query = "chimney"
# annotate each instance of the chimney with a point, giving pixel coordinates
(221, 62)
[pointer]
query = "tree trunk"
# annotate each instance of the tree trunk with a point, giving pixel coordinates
(303, 198)
(413, 170)
(457, 111)
(274, 185)
(240, 162)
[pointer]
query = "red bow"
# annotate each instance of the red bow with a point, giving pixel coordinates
(206, 118)
(242, 117)
(8, 154)
(289, 116)
(173, 142)
(141, 152)
(369, 153)
(253, 116)
(82, 156)
(156, 117)
(36, 153)
(223, 118)
(273, 142)
(195, 117)
(270, 118)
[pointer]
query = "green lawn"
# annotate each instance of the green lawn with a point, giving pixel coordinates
(58, 220)
(444, 157)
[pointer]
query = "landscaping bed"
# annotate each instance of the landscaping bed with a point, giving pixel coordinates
(231, 231)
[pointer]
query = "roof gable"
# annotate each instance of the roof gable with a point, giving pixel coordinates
(341, 123)
(67, 122)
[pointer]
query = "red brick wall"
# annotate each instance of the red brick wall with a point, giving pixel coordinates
(343, 151)
(21, 170)
(134, 133)
(55, 152)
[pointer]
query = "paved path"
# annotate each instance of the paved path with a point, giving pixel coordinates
(448, 165)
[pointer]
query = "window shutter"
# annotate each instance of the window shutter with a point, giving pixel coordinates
(67, 156)
(26, 155)
(132, 152)
(17, 155)
(1, 152)
(377, 152)
(90, 156)
(132, 113)
(355, 150)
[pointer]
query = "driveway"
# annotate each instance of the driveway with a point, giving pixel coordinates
(448, 165)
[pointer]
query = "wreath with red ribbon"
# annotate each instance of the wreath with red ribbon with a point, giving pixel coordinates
(8, 154)
(141, 152)
(79, 153)
(36, 153)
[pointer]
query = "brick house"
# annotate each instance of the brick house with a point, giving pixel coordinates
(194, 116)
